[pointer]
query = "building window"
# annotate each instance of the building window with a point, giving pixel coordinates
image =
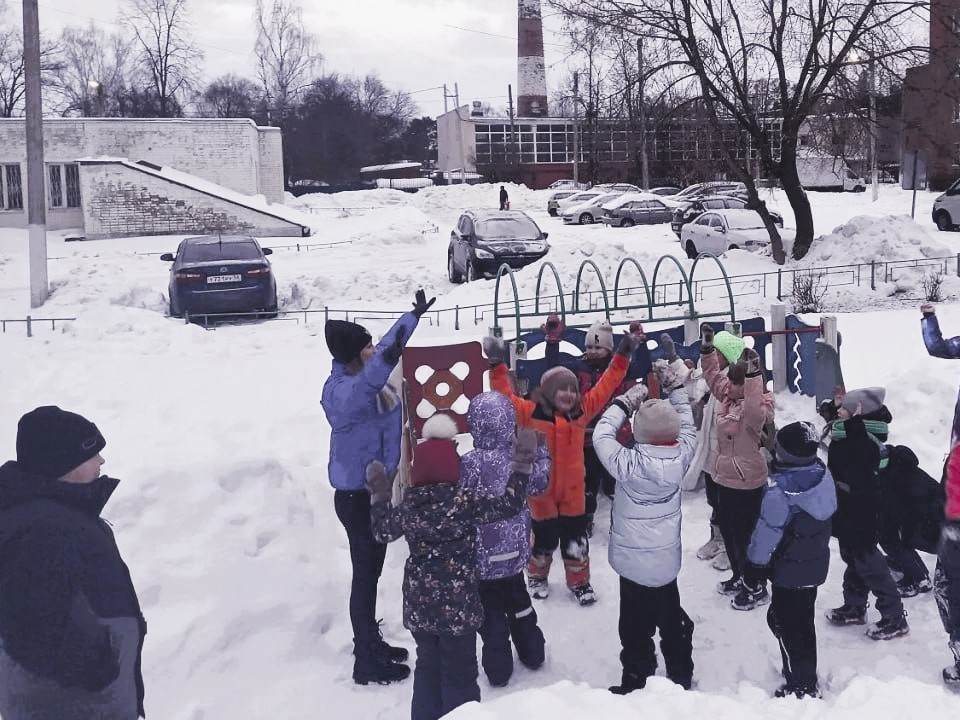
(11, 188)
(956, 154)
(64, 185)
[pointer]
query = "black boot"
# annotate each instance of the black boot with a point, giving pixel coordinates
(374, 668)
(628, 683)
(392, 652)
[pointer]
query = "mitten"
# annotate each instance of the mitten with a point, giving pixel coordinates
(671, 374)
(552, 329)
(379, 484)
(706, 339)
(669, 349)
(524, 451)
(628, 345)
(637, 329)
(420, 303)
(751, 360)
(495, 350)
(737, 372)
(928, 309)
(632, 398)
(828, 410)
(393, 352)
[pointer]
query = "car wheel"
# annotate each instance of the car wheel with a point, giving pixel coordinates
(552, 212)
(173, 312)
(452, 273)
(470, 274)
(691, 250)
(943, 220)
(860, 189)
(734, 247)
(627, 222)
(271, 312)
(586, 219)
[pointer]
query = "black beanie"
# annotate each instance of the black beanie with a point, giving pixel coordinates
(51, 442)
(345, 339)
(797, 443)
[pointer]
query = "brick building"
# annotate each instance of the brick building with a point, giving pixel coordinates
(931, 98)
(123, 177)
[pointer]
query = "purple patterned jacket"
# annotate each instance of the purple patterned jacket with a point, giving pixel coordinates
(503, 547)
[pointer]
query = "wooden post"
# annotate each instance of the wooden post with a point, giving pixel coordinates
(830, 331)
(778, 322)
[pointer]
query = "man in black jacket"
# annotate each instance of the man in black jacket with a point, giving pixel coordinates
(71, 630)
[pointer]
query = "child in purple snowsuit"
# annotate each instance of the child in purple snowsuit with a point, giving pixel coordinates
(503, 547)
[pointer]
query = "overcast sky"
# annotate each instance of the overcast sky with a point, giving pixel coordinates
(414, 45)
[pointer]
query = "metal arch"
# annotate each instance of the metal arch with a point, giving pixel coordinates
(504, 268)
(726, 280)
(603, 288)
(686, 282)
(646, 286)
(556, 277)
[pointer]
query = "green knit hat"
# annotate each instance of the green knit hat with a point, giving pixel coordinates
(729, 345)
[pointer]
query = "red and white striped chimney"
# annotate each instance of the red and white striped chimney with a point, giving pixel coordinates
(531, 73)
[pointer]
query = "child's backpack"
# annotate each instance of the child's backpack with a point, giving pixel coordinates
(912, 499)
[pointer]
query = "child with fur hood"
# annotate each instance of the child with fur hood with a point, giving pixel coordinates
(740, 469)
(441, 600)
(792, 540)
(644, 544)
(503, 547)
(562, 415)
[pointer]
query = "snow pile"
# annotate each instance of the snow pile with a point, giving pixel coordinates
(865, 239)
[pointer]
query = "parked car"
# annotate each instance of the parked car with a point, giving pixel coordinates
(617, 187)
(695, 208)
(665, 190)
(221, 274)
(637, 209)
(589, 212)
(709, 188)
(483, 240)
(717, 231)
(946, 208)
(576, 199)
(562, 184)
(553, 202)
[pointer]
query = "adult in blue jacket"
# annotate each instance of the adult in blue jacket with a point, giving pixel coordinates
(365, 425)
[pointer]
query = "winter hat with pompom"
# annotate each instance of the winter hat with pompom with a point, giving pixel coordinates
(557, 378)
(797, 443)
(600, 335)
(656, 423)
(729, 345)
(435, 460)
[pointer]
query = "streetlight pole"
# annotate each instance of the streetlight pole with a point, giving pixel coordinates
(576, 131)
(36, 194)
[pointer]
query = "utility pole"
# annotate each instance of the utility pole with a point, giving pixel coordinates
(576, 129)
(36, 195)
(644, 160)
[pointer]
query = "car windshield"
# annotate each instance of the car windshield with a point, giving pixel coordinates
(747, 221)
(203, 252)
(507, 228)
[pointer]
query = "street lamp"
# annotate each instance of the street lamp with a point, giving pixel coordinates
(97, 87)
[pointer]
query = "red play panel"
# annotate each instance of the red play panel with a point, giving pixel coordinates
(449, 373)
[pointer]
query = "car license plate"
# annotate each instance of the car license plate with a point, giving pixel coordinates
(223, 278)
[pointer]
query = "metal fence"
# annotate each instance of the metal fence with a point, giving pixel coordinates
(778, 283)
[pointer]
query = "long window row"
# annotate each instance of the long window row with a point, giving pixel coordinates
(63, 186)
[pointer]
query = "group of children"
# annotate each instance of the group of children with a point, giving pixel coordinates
(774, 513)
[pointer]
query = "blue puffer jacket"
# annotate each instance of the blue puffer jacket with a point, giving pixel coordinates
(792, 535)
(361, 428)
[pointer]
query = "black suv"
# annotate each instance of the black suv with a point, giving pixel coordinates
(483, 240)
(695, 208)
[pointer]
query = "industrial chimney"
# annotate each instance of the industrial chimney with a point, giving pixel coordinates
(531, 74)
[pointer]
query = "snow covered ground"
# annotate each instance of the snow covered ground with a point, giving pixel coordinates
(226, 518)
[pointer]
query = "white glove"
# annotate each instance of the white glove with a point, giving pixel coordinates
(671, 374)
(633, 398)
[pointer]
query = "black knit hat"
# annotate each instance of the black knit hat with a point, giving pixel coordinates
(345, 339)
(51, 442)
(797, 443)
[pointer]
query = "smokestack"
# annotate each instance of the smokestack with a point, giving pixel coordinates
(531, 73)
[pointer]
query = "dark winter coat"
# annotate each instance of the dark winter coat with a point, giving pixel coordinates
(503, 547)
(949, 349)
(441, 576)
(792, 535)
(854, 462)
(911, 502)
(363, 427)
(71, 630)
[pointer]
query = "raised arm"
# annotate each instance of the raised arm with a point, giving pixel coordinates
(496, 351)
(933, 338)
(596, 398)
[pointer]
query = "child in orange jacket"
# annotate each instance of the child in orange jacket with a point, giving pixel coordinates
(562, 415)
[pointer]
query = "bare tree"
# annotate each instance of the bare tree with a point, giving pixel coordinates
(230, 96)
(287, 57)
(166, 51)
(800, 49)
(94, 66)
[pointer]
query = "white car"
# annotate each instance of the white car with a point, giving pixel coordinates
(576, 199)
(946, 208)
(588, 212)
(717, 231)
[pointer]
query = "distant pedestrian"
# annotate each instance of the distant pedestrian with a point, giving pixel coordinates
(504, 199)
(71, 630)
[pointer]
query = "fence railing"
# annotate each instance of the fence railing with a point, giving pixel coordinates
(777, 283)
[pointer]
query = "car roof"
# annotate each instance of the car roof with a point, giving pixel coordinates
(218, 239)
(488, 214)
(631, 196)
(738, 217)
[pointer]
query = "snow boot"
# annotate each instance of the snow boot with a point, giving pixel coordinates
(730, 587)
(539, 588)
(951, 673)
(889, 628)
(628, 683)
(721, 562)
(374, 668)
(911, 589)
(748, 598)
(538, 568)
(391, 652)
(848, 615)
(712, 547)
(797, 692)
(584, 594)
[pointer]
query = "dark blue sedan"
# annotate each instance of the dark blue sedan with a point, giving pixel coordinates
(221, 274)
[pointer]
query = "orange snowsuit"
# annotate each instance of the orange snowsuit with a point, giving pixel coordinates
(565, 437)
